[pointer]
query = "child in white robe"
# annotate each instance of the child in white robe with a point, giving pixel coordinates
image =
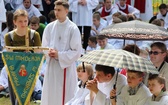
(103, 43)
(135, 93)
(157, 87)
(92, 43)
(84, 74)
(97, 25)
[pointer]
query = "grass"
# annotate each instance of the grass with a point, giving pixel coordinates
(6, 101)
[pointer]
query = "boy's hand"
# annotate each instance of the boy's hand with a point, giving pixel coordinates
(53, 53)
(92, 85)
(113, 94)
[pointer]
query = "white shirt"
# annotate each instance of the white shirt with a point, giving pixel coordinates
(4, 78)
(82, 15)
(32, 11)
(108, 46)
(98, 29)
(3, 14)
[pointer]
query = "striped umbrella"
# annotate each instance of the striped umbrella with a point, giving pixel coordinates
(119, 59)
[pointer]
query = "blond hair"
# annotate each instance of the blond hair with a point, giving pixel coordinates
(88, 68)
(18, 13)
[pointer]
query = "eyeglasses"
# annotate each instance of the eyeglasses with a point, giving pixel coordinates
(154, 52)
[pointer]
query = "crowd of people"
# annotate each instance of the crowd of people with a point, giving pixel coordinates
(70, 28)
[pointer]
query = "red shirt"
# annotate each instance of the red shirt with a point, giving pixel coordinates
(124, 10)
(104, 13)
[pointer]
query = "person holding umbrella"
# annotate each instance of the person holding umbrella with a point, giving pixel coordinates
(135, 93)
(136, 67)
(103, 83)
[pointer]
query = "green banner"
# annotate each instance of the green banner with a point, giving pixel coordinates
(22, 70)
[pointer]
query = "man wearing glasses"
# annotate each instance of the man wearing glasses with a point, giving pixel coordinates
(158, 55)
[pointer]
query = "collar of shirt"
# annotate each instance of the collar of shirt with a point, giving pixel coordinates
(133, 91)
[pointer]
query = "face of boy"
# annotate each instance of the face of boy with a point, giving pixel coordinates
(27, 4)
(60, 12)
(163, 11)
(96, 22)
(34, 26)
(21, 22)
(90, 43)
(122, 2)
(108, 4)
(101, 77)
(155, 87)
(133, 79)
(102, 43)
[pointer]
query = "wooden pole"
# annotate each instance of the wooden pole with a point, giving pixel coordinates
(10, 48)
(27, 40)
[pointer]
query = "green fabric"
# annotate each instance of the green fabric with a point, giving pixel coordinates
(20, 40)
(22, 69)
(41, 29)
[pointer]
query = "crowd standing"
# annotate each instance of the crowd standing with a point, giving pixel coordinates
(70, 28)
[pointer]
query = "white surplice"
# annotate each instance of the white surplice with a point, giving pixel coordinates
(2, 13)
(64, 37)
(163, 100)
(32, 11)
(138, 99)
(79, 98)
(82, 15)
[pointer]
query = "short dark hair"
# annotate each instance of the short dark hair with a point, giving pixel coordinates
(139, 73)
(159, 45)
(34, 20)
(152, 19)
(101, 37)
(29, 0)
(93, 39)
(43, 19)
(133, 48)
(52, 15)
(163, 6)
(96, 16)
(64, 3)
(160, 79)
(105, 69)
